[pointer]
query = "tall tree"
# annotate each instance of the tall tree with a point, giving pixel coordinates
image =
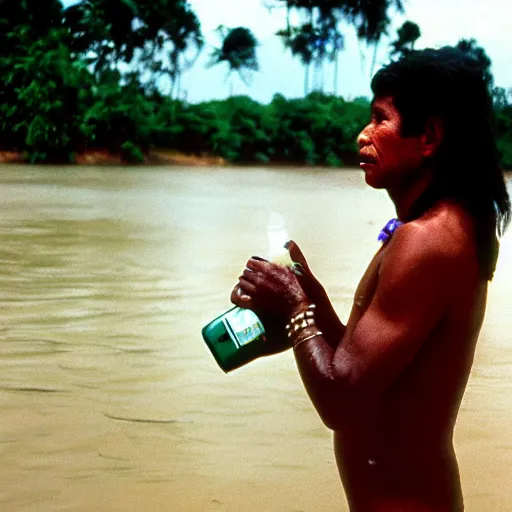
(153, 34)
(103, 28)
(38, 15)
(318, 37)
(170, 37)
(102, 31)
(39, 93)
(300, 41)
(315, 41)
(238, 51)
(40, 100)
(407, 35)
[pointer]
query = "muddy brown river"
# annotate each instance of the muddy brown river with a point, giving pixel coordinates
(109, 399)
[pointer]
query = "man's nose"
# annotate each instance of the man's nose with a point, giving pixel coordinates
(363, 139)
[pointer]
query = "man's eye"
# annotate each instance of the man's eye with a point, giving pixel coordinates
(378, 117)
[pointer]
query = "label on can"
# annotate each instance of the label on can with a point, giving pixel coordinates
(243, 325)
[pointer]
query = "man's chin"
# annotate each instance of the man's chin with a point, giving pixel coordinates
(372, 180)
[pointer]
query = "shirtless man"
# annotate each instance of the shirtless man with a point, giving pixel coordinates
(389, 383)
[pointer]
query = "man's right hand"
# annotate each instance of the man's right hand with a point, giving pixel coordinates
(305, 278)
(275, 324)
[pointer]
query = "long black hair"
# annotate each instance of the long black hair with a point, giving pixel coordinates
(451, 84)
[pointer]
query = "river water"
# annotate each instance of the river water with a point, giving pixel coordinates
(109, 399)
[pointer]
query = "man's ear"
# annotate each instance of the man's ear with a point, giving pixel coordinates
(432, 137)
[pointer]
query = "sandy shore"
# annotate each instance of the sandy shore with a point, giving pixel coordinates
(103, 157)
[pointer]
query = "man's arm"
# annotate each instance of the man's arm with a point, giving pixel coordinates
(416, 281)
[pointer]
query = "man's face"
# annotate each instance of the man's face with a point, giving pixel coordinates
(387, 159)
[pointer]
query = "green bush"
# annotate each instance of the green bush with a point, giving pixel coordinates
(319, 129)
(504, 129)
(118, 114)
(39, 104)
(131, 153)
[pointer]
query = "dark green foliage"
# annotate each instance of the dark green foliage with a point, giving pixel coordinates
(503, 111)
(407, 35)
(63, 90)
(131, 153)
(101, 30)
(167, 29)
(238, 51)
(40, 106)
(117, 115)
(318, 130)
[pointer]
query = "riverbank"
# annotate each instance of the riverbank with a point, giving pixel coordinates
(103, 157)
(165, 157)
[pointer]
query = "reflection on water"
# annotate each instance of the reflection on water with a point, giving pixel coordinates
(111, 402)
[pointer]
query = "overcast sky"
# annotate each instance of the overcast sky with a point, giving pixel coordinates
(441, 22)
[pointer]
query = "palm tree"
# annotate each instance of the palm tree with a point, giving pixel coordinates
(103, 27)
(157, 33)
(339, 46)
(301, 42)
(238, 51)
(319, 34)
(169, 29)
(408, 34)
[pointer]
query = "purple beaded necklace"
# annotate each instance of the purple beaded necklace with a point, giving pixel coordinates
(388, 230)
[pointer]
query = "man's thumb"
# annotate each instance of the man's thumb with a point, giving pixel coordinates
(307, 280)
(297, 256)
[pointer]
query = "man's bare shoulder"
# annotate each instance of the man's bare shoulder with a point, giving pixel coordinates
(441, 242)
(446, 231)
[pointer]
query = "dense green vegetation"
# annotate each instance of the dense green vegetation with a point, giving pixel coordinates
(317, 129)
(88, 77)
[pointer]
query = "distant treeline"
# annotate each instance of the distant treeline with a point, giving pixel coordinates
(316, 130)
(88, 77)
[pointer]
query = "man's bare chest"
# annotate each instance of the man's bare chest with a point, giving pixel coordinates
(366, 288)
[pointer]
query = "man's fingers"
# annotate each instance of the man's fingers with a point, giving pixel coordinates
(246, 287)
(297, 256)
(240, 298)
(243, 296)
(258, 258)
(306, 278)
(249, 274)
(257, 263)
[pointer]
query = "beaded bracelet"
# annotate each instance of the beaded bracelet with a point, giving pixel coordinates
(297, 329)
(301, 321)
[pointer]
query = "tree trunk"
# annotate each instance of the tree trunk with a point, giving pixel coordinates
(306, 79)
(374, 59)
(362, 57)
(178, 85)
(172, 77)
(336, 71)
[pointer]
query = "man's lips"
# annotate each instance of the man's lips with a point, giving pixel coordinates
(367, 159)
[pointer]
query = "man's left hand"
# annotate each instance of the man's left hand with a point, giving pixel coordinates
(270, 288)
